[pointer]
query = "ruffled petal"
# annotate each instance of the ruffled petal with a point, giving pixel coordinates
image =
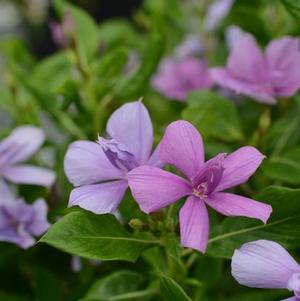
(283, 58)
(240, 166)
(234, 205)
(21, 144)
(194, 224)
(28, 174)
(154, 188)
(263, 264)
(131, 126)
(182, 146)
(85, 163)
(99, 198)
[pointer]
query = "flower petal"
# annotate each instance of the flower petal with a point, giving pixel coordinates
(154, 159)
(240, 166)
(21, 144)
(182, 147)
(28, 174)
(5, 193)
(230, 204)
(246, 62)
(194, 224)
(263, 264)
(86, 163)
(291, 299)
(283, 58)
(99, 198)
(39, 223)
(131, 126)
(154, 188)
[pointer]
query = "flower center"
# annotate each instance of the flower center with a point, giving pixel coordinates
(117, 154)
(209, 177)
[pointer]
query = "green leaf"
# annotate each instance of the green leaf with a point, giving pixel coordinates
(293, 7)
(213, 115)
(233, 232)
(171, 291)
(121, 285)
(285, 167)
(95, 237)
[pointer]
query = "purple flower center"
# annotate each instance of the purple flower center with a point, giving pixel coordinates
(209, 177)
(294, 284)
(117, 154)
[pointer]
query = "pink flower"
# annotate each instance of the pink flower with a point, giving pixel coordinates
(178, 77)
(22, 143)
(263, 77)
(99, 170)
(266, 264)
(203, 184)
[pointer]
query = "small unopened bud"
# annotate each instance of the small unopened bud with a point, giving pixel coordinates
(136, 224)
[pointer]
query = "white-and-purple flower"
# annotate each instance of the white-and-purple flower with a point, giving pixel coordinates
(177, 77)
(266, 264)
(182, 147)
(18, 147)
(20, 222)
(262, 76)
(99, 170)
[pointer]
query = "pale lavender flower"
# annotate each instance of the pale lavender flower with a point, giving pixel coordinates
(191, 46)
(266, 264)
(18, 147)
(20, 223)
(182, 146)
(216, 12)
(264, 77)
(234, 35)
(178, 77)
(99, 170)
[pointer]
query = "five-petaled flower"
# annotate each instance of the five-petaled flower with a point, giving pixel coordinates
(264, 77)
(99, 170)
(22, 143)
(182, 146)
(266, 264)
(20, 223)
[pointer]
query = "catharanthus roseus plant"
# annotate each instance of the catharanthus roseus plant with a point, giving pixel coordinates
(203, 184)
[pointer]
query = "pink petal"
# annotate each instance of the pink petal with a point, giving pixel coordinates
(28, 174)
(154, 188)
(234, 205)
(284, 62)
(194, 224)
(246, 62)
(131, 126)
(240, 166)
(263, 264)
(256, 91)
(99, 198)
(182, 147)
(21, 144)
(39, 224)
(86, 163)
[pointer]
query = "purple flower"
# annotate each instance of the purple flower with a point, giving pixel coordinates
(191, 46)
(266, 264)
(217, 11)
(99, 170)
(177, 77)
(263, 77)
(20, 222)
(182, 147)
(22, 143)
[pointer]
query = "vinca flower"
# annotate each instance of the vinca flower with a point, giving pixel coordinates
(266, 264)
(22, 143)
(178, 77)
(20, 223)
(99, 169)
(182, 147)
(262, 76)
